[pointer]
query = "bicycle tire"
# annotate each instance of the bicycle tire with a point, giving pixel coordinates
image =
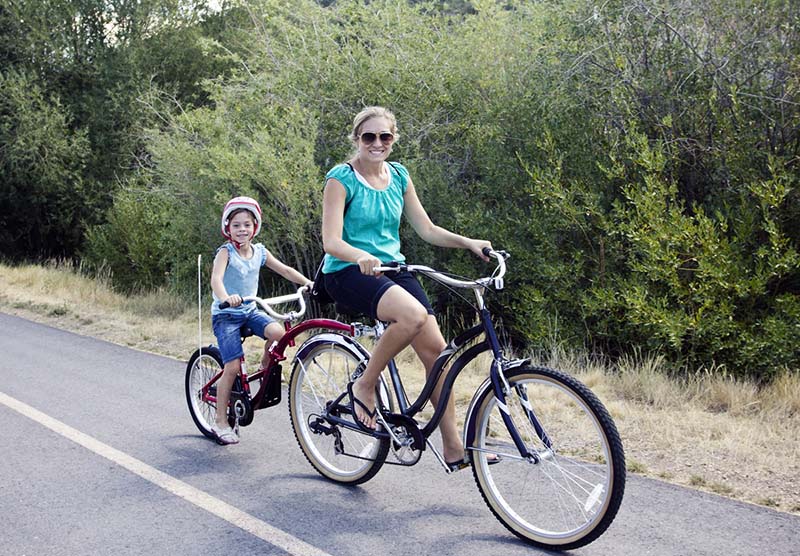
(571, 495)
(202, 367)
(318, 377)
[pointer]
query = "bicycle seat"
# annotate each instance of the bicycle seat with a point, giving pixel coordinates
(246, 332)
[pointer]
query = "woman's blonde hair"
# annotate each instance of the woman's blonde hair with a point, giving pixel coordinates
(373, 112)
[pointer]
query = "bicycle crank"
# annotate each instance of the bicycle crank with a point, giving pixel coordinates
(407, 440)
(240, 410)
(403, 446)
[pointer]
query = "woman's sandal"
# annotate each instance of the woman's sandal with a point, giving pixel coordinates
(356, 402)
(453, 466)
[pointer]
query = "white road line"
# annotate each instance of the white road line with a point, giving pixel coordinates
(201, 499)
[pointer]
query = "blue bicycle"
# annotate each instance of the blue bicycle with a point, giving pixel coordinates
(561, 475)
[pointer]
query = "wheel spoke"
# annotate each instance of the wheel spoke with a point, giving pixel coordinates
(202, 368)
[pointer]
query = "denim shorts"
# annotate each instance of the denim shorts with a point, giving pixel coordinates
(227, 329)
(361, 293)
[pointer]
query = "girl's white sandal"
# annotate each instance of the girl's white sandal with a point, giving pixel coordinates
(225, 435)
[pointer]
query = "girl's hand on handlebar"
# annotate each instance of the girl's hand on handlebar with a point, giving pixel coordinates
(234, 300)
(477, 246)
(367, 263)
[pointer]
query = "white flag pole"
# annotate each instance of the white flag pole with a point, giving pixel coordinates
(199, 306)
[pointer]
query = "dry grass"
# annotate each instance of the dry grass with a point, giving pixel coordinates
(708, 431)
(59, 295)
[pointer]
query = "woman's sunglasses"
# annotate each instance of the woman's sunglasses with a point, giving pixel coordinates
(368, 137)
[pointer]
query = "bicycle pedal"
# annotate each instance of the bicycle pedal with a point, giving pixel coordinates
(318, 426)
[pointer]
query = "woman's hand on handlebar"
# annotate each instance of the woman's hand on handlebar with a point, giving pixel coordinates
(480, 247)
(367, 264)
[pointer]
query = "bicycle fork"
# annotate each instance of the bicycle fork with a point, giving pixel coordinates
(500, 394)
(501, 388)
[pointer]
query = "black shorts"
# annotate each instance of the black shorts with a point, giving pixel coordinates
(361, 293)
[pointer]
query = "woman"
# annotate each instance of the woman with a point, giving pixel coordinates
(363, 201)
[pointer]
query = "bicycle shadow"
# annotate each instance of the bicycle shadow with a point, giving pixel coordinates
(277, 486)
(197, 455)
(371, 513)
(370, 518)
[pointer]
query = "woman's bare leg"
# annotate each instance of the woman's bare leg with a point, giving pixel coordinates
(428, 345)
(407, 318)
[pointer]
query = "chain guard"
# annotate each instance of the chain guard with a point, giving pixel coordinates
(407, 431)
(240, 408)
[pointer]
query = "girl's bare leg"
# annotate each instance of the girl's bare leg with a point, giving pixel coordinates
(224, 387)
(273, 332)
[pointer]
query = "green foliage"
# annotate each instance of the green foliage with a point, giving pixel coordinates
(693, 284)
(638, 159)
(135, 244)
(93, 61)
(245, 146)
(695, 212)
(42, 195)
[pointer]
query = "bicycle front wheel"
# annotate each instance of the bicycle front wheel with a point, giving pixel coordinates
(569, 493)
(203, 366)
(341, 454)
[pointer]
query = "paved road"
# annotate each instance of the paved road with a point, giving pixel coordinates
(100, 456)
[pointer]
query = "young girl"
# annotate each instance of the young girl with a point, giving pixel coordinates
(234, 276)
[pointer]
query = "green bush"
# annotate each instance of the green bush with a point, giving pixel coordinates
(43, 197)
(244, 146)
(638, 160)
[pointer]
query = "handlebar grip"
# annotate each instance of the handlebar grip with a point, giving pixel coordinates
(486, 251)
(224, 305)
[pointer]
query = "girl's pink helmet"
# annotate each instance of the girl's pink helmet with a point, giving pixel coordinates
(236, 203)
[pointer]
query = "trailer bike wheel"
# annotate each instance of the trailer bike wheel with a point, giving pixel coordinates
(203, 366)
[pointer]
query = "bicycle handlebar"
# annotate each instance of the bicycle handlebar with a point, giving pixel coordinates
(496, 278)
(266, 304)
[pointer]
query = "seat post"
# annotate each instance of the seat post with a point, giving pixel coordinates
(287, 327)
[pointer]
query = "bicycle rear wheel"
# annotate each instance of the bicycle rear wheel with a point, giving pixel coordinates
(202, 367)
(338, 453)
(572, 493)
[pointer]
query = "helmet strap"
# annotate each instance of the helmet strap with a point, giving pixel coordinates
(238, 245)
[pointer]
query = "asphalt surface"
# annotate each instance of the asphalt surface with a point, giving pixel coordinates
(100, 456)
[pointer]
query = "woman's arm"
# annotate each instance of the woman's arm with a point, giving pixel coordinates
(433, 234)
(291, 274)
(333, 201)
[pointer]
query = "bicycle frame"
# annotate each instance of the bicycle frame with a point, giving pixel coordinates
(490, 343)
(559, 488)
(276, 352)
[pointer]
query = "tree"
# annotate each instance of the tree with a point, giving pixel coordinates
(41, 161)
(94, 60)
